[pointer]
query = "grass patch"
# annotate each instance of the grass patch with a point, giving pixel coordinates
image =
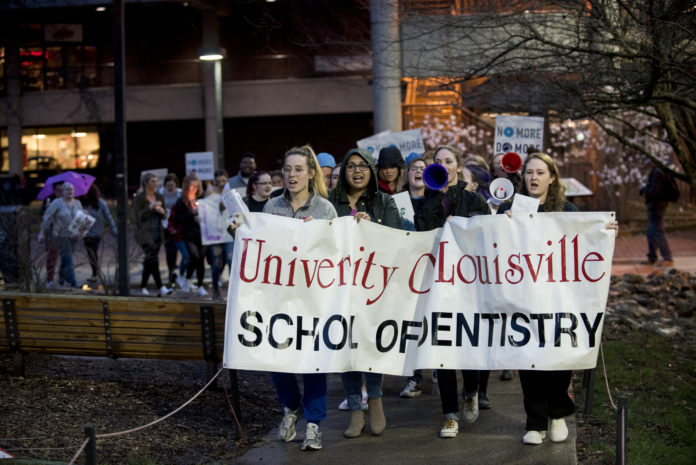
(658, 376)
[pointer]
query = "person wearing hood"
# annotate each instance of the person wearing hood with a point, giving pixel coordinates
(390, 168)
(453, 200)
(357, 195)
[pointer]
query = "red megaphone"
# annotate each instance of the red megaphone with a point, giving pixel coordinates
(511, 162)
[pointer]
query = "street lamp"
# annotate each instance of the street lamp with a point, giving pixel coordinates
(212, 97)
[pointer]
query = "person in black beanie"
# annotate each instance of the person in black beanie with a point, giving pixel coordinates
(390, 170)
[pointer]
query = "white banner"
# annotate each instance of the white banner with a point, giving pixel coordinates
(213, 221)
(487, 292)
(517, 133)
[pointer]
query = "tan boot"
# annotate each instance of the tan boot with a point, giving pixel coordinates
(357, 424)
(377, 421)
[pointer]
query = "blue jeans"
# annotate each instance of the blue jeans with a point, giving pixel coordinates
(352, 385)
(181, 247)
(66, 271)
(314, 401)
(656, 231)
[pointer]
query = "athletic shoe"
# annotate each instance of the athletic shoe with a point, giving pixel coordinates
(202, 292)
(144, 291)
(312, 440)
(558, 431)
(412, 389)
(183, 283)
(471, 409)
(533, 438)
(192, 287)
(449, 429)
(483, 402)
(286, 429)
(666, 263)
(506, 375)
(343, 405)
(164, 290)
(363, 403)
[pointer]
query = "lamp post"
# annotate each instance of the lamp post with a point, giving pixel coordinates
(212, 102)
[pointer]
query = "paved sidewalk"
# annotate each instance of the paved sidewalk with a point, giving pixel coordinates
(630, 250)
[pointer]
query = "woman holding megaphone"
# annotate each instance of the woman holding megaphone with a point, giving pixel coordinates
(445, 196)
(546, 400)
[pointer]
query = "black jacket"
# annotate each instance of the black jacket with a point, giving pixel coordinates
(380, 206)
(462, 203)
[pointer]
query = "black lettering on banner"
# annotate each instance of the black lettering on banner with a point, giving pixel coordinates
(491, 325)
(592, 329)
(271, 338)
(526, 336)
(540, 317)
(327, 327)
(424, 333)
(438, 327)
(473, 335)
(304, 332)
(503, 316)
(380, 329)
(243, 321)
(405, 335)
(569, 331)
(352, 345)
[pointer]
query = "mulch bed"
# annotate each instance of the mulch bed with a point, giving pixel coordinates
(43, 415)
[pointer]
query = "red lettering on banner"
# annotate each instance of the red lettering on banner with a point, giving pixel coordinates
(244, 258)
(514, 267)
(441, 266)
(413, 272)
(598, 258)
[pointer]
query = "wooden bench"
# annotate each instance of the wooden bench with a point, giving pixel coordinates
(104, 326)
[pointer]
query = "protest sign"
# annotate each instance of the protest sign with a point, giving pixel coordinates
(81, 224)
(518, 133)
(488, 292)
(213, 221)
(404, 205)
(406, 141)
(201, 164)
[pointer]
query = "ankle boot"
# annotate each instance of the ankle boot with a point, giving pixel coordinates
(377, 421)
(357, 424)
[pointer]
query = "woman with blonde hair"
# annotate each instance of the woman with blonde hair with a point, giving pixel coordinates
(304, 197)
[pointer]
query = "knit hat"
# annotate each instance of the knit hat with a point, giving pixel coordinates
(412, 156)
(390, 156)
(326, 159)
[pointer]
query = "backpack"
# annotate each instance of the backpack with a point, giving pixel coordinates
(671, 190)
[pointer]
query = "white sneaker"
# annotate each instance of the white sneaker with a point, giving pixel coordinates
(164, 290)
(363, 403)
(193, 287)
(534, 437)
(558, 431)
(471, 409)
(312, 440)
(202, 292)
(144, 291)
(412, 389)
(449, 429)
(286, 429)
(183, 283)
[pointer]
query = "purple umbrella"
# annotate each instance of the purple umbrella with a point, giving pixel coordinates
(81, 182)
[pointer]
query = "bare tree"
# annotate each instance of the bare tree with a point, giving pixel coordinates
(598, 59)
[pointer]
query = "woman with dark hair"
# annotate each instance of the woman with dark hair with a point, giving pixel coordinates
(258, 191)
(478, 180)
(97, 208)
(185, 218)
(546, 400)
(149, 231)
(453, 200)
(357, 195)
(170, 192)
(390, 170)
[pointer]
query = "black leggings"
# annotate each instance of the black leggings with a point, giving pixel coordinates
(151, 264)
(92, 248)
(196, 261)
(449, 395)
(545, 396)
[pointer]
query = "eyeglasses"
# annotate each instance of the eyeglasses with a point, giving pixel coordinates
(266, 183)
(358, 167)
(415, 169)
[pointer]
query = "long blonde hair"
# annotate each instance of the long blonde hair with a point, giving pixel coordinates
(555, 196)
(316, 184)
